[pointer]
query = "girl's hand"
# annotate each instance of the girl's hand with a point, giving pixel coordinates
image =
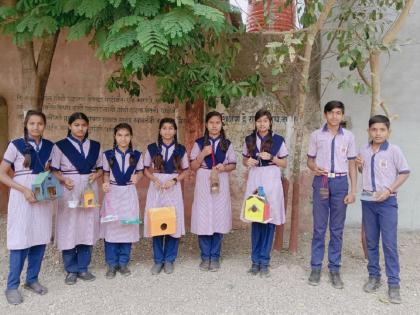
(265, 156)
(251, 162)
(106, 187)
(207, 150)
(68, 183)
(220, 167)
(157, 183)
(93, 177)
(168, 184)
(29, 195)
(134, 179)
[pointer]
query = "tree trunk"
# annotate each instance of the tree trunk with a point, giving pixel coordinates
(300, 120)
(35, 74)
(374, 61)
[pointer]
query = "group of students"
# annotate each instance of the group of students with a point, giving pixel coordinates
(77, 161)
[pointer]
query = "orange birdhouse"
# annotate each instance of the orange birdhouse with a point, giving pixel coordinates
(162, 221)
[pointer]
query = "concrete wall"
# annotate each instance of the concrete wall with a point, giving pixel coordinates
(400, 87)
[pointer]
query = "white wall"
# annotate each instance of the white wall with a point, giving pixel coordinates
(400, 90)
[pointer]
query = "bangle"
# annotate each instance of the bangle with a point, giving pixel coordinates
(175, 180)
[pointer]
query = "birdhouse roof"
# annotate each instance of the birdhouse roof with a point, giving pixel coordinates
(41, 178)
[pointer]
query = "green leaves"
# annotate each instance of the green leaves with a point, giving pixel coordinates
(178, 23)
(136, 58)
(118, 41)
(79, 30)
(90, 8)
(150, 37)
(147, 8)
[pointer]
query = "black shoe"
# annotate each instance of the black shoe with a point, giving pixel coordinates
(315, 277)
(86, 276)
(13, 296)
(214, 265)
(204, 265)
(254, 270)
(264, 272)
(36, 287)
(372, 285)
(71, 278)
(156, 269)
(335, 279)
(124, 271)
(168, 267)
(111, 272)
(394, 295)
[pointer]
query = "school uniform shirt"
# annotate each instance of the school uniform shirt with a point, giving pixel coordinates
(76, 226)
(28, 224)
(267, 175)
(166, 197)
(211, 213)
(381, 169)
(332, 152)
(122, 200)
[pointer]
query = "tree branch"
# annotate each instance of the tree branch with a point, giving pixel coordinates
(390, 35)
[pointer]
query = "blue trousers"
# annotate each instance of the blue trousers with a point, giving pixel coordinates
(262, 236)
(17, 259)
(165, 248)
(210, 246)
(117, 254)
(77, 259)
(332, 209)
(380, 219)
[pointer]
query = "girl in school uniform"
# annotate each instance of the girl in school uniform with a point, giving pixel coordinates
(29, 222)
(123, 168)
(165, 164)
(211, 212)
(76, 162)
(264, 154)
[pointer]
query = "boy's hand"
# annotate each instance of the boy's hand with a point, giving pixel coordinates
(359, 162)
(319, 171)
(382, 195)
(350, 198)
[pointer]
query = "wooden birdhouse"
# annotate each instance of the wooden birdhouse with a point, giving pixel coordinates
(162, 221)
(46, 187)
(256, 209)
(88, 197)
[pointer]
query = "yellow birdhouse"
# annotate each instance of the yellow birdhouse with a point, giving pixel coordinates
(256, 209)
(162, 221)
(88, 199)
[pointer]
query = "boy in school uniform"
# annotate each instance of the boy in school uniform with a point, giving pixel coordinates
(331, 156)
(384, 169)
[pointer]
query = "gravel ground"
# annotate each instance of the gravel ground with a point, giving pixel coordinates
(229, 291)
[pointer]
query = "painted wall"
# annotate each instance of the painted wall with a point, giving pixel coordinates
(400, 87)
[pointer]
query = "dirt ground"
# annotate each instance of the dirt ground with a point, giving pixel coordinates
(229, 291)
